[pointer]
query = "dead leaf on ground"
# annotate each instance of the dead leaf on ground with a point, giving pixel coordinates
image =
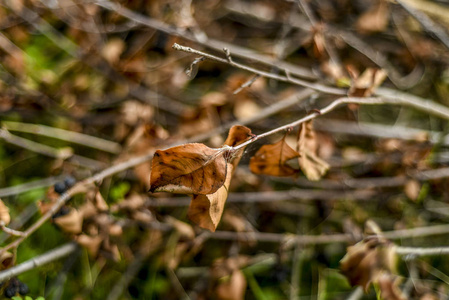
(312, 166)
(6, 260)
(366, 84)
(71, 222)
(4, 213)
(375, 19)
(188, 169)
(388, 286)
(91, 243)
(272, 159)
(365, 259)
(232, 287)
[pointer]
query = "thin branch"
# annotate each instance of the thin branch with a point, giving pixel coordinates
(38, 261)
(246, 84)
(427, 23)
(140, 92)
(211, 43)
(228, 60)
(433, 108)
(273, 196)
(58, 153)
(65, 135)
(415, 251)
(32, 185)
(9, 230)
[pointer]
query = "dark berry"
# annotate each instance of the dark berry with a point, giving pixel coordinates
(23, 288)
(62, 212)
(69, 181)
(60, 187)
(10, 291)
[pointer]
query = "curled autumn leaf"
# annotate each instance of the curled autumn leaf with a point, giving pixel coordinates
(364, 260)
(312, 166)
(271, 160)
(206, 210)
(188, 169)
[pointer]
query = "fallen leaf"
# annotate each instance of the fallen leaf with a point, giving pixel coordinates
(312, 166)
(188, 169)
(206, 210)
(6, 260)
(233, 287)
(365, 259)
(71, 222)
(271, 159)
(366, 84)
(4, 213)
(388, 286)
(91, 243)
(375, 19)
(185, 230)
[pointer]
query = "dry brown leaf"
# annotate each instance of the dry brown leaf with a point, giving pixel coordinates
(6, 260)
(71, 222)
(366, 84)
(375, 19)
(365, 259)
(412, 189)
(4, 213)
(388, 286)
(206, 210)
(91, 243)
(112, 50)
(188, 169)
(312, 166)
(100, 203)
(185, 230)
(233, 287)
(271, 160)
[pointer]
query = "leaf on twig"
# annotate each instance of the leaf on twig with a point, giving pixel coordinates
(206, 210)
(4, 213)
(188, 169)
(375, 19)
(271, 159)
(312, 166)
(91, 243)
(363, 261)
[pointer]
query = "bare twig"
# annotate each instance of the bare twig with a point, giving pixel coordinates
(415, 251)
(246, 84)
(58, 153)
(65, 135)
(141, 93)
(315, 86)
(38, 261)
(9, 230)
(426, 22)
(32, 185)
(210, 43)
